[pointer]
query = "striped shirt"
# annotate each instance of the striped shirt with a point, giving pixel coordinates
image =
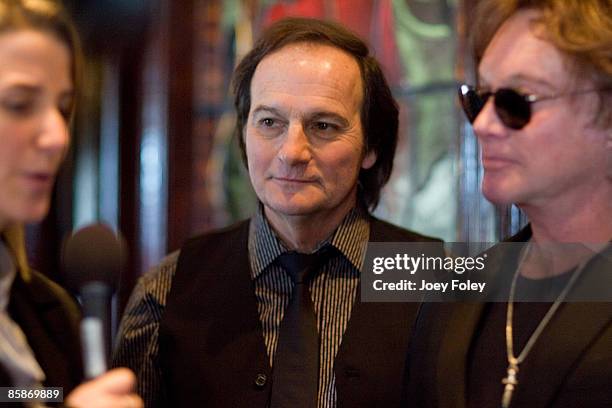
(333, 292)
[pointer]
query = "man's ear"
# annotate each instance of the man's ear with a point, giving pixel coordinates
(368, 160)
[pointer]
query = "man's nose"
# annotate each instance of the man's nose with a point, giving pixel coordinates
(296, 147)
(488, 124)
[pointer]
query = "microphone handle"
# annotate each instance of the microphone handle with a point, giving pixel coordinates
(95, 327)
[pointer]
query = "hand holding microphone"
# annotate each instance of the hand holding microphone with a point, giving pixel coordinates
(113, 389)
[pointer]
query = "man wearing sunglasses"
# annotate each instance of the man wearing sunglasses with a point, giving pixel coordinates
(542, 113)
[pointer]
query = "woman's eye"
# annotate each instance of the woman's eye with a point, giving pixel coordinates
(66, 110)
(322, 125)
(19, 107)
(66, 107)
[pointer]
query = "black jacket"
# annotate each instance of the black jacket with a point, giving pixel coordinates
(49, 318)
(569, 366)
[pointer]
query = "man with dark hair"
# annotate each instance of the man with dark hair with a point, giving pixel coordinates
(266, 312)
(378, 111)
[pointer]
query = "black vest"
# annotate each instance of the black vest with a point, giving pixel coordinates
(211, 346)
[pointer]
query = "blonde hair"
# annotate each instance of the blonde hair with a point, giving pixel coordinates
(14, 236)
(580, 29)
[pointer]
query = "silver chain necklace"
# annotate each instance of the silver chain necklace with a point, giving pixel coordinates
(511, 381)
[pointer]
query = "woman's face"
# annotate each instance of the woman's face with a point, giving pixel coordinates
(559, 158)
(36, 97)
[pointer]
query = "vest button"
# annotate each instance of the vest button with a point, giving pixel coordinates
(260, 380)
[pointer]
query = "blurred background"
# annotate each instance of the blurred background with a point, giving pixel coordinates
(153, 153)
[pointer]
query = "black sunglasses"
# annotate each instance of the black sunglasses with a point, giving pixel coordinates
(513, 108)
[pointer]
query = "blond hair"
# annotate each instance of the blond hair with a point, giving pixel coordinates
(580, 29)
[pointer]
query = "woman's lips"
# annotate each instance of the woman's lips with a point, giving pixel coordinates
(41, 180)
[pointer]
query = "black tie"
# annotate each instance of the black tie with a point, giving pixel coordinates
(295, 374)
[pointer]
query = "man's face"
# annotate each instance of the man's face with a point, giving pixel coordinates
(304, 137)
(559, 157)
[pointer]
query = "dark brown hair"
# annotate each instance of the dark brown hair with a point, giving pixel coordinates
(379, 113)
(580, 29)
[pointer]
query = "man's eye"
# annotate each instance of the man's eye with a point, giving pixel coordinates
(325, 126)
(269, 122)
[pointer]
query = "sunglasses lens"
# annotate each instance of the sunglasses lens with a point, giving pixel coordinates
(512, 108)
(471, 102)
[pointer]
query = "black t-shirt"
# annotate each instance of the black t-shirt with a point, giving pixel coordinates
(487, 362)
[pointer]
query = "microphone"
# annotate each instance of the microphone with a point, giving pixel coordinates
(92, 259)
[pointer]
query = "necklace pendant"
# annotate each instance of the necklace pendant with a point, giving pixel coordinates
(511, 382)
(507, 397)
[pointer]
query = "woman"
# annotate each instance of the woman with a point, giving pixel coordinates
(542, 113)
(38, 320)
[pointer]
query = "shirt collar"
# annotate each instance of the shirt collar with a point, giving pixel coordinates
(350, 239)
(264, 244)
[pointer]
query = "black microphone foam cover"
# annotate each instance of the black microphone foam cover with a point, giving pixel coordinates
(93, 254)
